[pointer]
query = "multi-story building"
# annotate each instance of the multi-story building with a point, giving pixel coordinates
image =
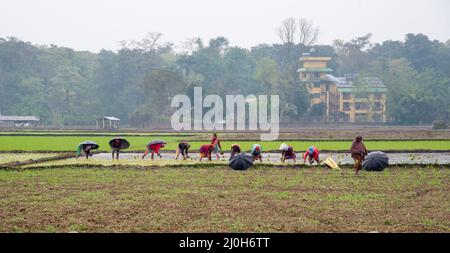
(351, 98)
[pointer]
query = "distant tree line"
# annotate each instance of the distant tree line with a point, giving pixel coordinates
(72, 88)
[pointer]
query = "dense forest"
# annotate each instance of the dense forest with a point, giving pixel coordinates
(72, 88)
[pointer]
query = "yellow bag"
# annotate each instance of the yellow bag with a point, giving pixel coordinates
(331, 163)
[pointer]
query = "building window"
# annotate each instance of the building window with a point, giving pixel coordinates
(361, 117)
(345, 117)
(361, 106)
(346, 95)
(346, 106)
(377, 106)
(376, 117)
(378, 96)
(316, 85)
(317, 75)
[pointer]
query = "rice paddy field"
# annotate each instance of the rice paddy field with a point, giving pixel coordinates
(138, 143)
(45, 190)
(13, 157)
(216, 199)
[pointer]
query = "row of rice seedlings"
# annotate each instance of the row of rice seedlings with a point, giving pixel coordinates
(20, 157)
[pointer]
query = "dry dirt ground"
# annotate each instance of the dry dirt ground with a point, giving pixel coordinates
(217, 199)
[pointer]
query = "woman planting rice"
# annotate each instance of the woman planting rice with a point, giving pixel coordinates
(182, 149)
(235, 149)
(287, 152)
(116, 145)
(154, 146)
(205, 151)
(86, 147)
(312, 153)
(256, 152)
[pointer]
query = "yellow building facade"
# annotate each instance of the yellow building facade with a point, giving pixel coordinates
(351, 98)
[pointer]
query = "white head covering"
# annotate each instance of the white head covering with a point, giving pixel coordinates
(284, 146)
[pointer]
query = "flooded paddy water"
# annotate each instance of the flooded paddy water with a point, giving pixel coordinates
(342, 158)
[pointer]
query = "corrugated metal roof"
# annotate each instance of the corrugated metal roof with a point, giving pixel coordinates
(366, 89)
(347, 81)
(19, 118)
(314, 58)
(110, 118)
(340, 81)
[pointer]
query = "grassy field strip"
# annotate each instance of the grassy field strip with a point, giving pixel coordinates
(218, 199)
(137, 162)
(143, 163)
(69, 143)
(19, 157)
(202, 136)
(204, 165)
(92, 134)
(206, 136)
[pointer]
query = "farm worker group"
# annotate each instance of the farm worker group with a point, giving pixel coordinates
(358, 150)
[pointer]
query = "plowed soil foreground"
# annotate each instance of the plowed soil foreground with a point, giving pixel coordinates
(217, 199)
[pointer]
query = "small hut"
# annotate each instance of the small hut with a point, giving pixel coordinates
(18, 121)
(108, 122)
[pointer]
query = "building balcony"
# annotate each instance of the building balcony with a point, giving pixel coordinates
(363, 111)
(313, 80)
(313, 70)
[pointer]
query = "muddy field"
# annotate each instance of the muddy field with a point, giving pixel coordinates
(217, 199)
(394, 158)
(43, 160)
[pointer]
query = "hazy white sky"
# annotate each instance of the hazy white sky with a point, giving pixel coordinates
(96, 24)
